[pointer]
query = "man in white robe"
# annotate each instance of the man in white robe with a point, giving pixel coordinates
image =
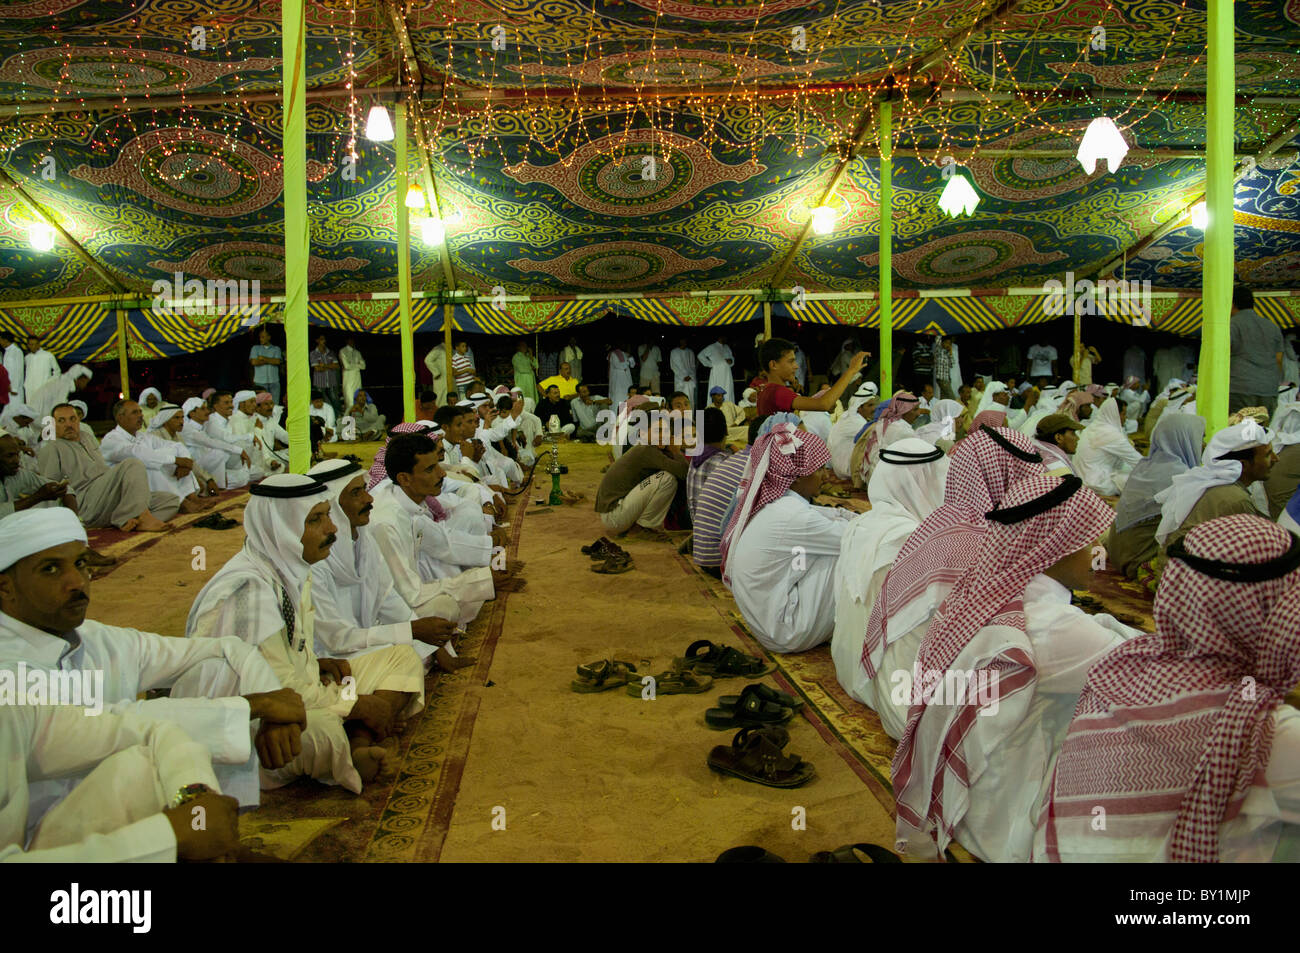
(227, 462)
(43, 628)
(571, 354)
(436, 362)
(271, 439)
(620, 374)
(845, 431)
(58, 389)
(14, 366)
(358, 608)
(20, 421)
(220, 426)
(39, 367)
(353, 364)
(169, 467)
(322, 409)
(106, 496)
(166, 427)
(779, 551)
(264, 595)
(1105, 455)
(681, 360)
(497, 468)
(717, 357)
(427, 559)
(650, 357)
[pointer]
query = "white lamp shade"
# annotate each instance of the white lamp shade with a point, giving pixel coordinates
(1102, 140)
(415, 197)
(379, 128)
(41, 236)
(823, 219)
(432, 231)
(1200, 216)
(958, 197)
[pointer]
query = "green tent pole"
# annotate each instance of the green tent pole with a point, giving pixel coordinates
(297, 239)
(1217, 273)
(404, 269)
(886, 252)
(122, 352)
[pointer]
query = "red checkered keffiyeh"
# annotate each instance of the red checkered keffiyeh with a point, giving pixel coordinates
(1174, 728)
(901, 403)
(930, 768)
(378, 473)
(1073, 401)
(779, 457)
(988, 418)
(938, 552)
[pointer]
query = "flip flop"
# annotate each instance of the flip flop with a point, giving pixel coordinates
(750, 711)
(722, 661)
(756, 754)
(852, 854)
(602, 676)
(764, 692)
(614, 565)
(675, 683)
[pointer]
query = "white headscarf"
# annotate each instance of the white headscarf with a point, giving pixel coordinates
(1187, 488)
(866, 390)
(164, 413)
(987, 402)
(144, 396)
(342, 560)
(192, 404)
(243, 395)
(1286, 425)
(32, 531)
(905, 487)
(943, 420)
(818, 422)
(81, 406)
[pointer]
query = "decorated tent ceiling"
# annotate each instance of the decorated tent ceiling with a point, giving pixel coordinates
(148, 131)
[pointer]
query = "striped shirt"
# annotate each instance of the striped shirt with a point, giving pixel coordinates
(712, 503)
(462, 371)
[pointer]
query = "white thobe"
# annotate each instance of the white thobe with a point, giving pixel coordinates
(843, 438)
(39, 368)
(399, 526)
(223, 429)
(15, 367)
(620, 375)
(326, 414)
(682, 362)
(436, 362)
(265, 438)
(353, 364)
(782, 571)
(40, 743)
(216, 455)
(650, 366)
(530, 425)
(801, 368)
(159, 458)
(719, 359)
(573, 356)
(133, 662)
(495, 466)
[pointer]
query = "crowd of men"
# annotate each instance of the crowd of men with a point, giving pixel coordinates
(948, 605)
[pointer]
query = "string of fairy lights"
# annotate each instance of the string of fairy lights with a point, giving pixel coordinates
(538, 98)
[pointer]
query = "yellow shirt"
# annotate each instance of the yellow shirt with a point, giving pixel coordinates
(568, 386)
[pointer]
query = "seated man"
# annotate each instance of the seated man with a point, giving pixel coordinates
(269, 437)
(1186, 765)
(529, 433)
(168, 465)
(845, 431)
(637, 490)
(221, 427)
(498, 469)
(319, 408)
(44, 596)
(1057, 438)
(565, 381)
(358, 609)
(106, 496)
(370, 423)
(263, 595)
(426, 407)
(779, 552)
(737, 423)
(20, 422)
(144, 780)
(1285, 476)
(82, 412)
(166, 427)
(586, 409)
(1235, 458)
(998, 674)
(427, 559)
(23, 487)
(227, 462)
(712, 453)
(555, 405)
(714, 501)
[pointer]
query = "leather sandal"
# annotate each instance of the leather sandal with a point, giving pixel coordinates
(756, 754)
(750, 710)
(614, 564)
(682, 682)
(722, 661)
(602, 676)
(765, 692)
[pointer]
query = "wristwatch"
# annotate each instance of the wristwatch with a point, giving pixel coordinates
(189, 793)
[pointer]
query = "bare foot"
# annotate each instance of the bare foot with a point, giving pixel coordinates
(148, 523)
(450, 663)
(130, 526)
(644, 532)
(94, 558)
(369, 761)
(191, 505)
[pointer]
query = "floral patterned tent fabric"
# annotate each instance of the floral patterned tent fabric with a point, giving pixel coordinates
(652, 146)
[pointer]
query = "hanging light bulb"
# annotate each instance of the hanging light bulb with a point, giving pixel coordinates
(41, 236)
(823, 219)
(415, 197)
(1200, 216)
(958, 196)
(432, 232)
(379, 128)
(1102, 141)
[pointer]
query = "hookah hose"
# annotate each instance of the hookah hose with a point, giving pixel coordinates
(528, 478)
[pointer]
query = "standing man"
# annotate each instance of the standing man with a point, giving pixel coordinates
(682, 362)
(266, 359)
(1042, 361)
(719, 359)
(620, 374)
(353, 364)
(1257, 349)
(572, 355)
(436, 362)
(650, 356)
(947, 376)
(14, 365)
(325, 371)
(524, 364)
(462, 368)
(39, 367)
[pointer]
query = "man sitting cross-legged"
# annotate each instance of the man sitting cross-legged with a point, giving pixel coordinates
(166, 426)
(106, 496)
(45, 594)
(427, 558)
(358, 607)
(169, 466)
(227, 462)
(264, 595)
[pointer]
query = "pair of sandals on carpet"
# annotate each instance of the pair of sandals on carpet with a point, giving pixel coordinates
(215, 521)
(689, 675)
(612, 559)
